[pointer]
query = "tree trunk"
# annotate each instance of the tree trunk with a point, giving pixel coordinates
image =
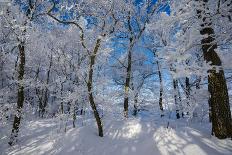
(128, 69)
(90, 88)
(74, 114)
(198, 82)
(219, 99)
(161, 90)
(39, 93)
(187, 92)
(128, 76)
(180, 100)
(135, 96)
(20, 100)
(136, 104)
(175, 98)
(61, 94)
(46, 89)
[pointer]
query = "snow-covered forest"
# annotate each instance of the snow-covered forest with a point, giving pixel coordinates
(115, 77)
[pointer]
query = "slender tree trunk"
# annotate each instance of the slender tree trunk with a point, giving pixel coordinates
(39, 93)
(135, 96)
(20, 100)
(74, 115)
(187, 92)
(198, 82)
(180, 100)
(128, 76)
(135, 112)
(61, 93)
(46, 89)
(175, 98)
(187, 89)
(219, 99)
(161, 89)
(90, 88)
(128, 69)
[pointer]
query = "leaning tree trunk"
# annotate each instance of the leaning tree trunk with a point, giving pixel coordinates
(17, 118)
(90, 88)
(219, 99)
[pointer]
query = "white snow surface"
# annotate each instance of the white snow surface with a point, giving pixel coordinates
(132, 136)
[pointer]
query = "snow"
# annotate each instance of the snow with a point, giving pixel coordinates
(163, 36)
(135, 136)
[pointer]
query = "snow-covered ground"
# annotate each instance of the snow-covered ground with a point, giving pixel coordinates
(134, 136)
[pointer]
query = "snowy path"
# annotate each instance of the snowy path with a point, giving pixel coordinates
(130, 137)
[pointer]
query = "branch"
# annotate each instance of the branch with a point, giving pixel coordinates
(69, 23)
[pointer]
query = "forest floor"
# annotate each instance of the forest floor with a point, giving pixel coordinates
(133, 136)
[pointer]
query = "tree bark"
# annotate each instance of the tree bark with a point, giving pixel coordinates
(219, 99)
(187, 92)
(161, 90)
(90, 88)
(175, 84)
(128, 76)
(136, 104)
(136, 95)
(17, 118)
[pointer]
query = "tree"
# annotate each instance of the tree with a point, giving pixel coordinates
(21, 38)
(134, 35)
(219, 99)
(104, 27)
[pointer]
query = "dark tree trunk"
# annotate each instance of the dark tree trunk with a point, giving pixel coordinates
(61, 93)
(82, 111)
(20, 100)
(128, 76)
(90, 88)
(128, 69)
(198, 82)
(175, 84)
(187, 89)
(219, 99)
(161, 90)
(187, 92)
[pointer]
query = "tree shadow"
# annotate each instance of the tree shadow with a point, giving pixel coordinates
(186, 140)
(121, 137)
